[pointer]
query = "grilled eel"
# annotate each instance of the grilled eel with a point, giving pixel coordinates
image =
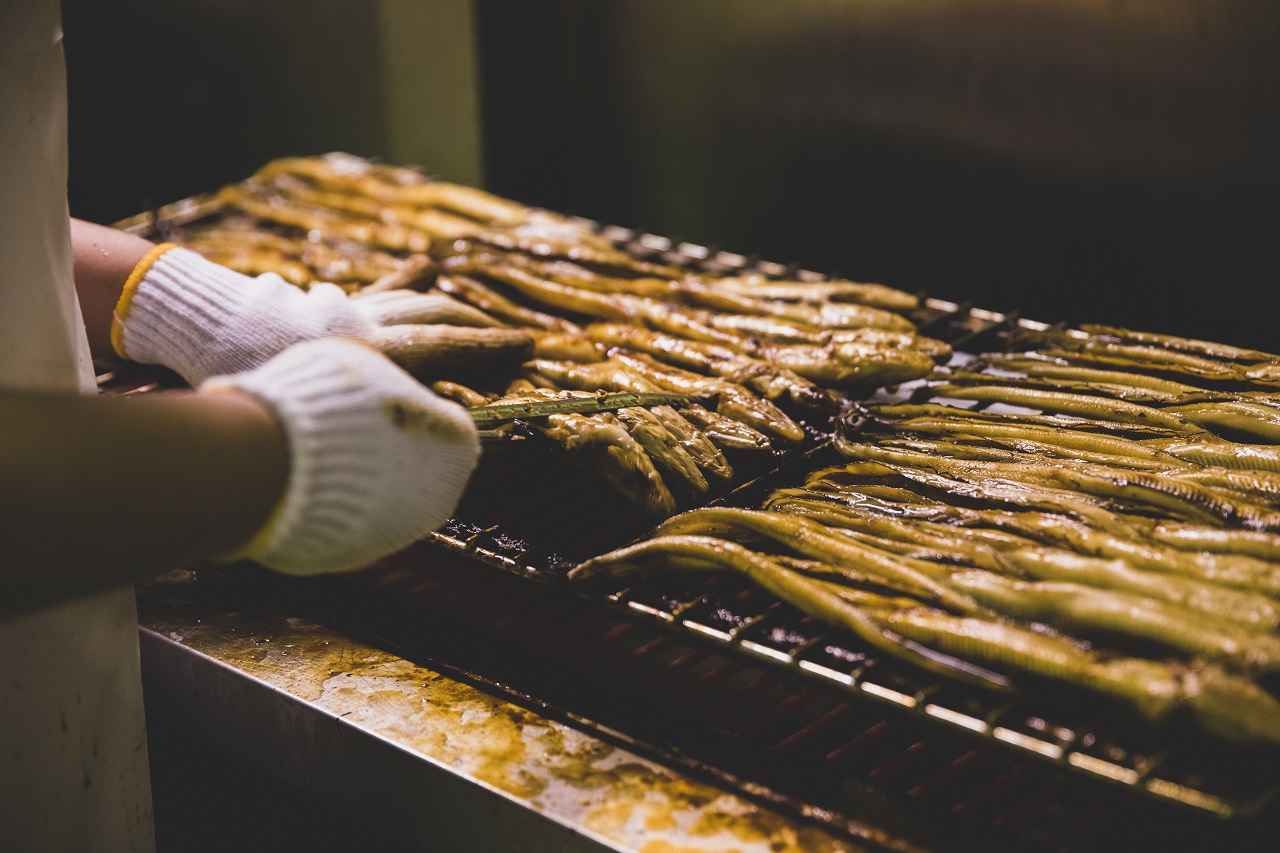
(1054, 517)
(974, 648)
(1065, 604)
(613, 450)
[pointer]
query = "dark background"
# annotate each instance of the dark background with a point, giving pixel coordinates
(171, 99)
(1076, 160)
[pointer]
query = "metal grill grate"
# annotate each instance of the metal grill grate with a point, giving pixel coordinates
(497, 525)
(1106, 744)
(817, 753)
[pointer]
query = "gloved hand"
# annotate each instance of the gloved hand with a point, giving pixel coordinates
(376, 460)
(201, 319)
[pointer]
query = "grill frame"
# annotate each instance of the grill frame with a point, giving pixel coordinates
(1097, 751)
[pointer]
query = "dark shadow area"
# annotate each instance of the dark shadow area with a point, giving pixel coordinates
(168, 100)
(1076, 161)
(205, 801)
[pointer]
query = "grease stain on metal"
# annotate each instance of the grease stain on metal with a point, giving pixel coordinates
(555, 769)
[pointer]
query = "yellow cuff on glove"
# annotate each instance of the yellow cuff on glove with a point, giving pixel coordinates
(126, 295)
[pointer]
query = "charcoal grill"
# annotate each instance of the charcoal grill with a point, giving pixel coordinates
(785, 711)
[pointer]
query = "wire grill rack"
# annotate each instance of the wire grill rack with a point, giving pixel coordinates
(1170, 763)
(541, 540)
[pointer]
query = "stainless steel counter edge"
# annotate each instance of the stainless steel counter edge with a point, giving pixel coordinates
(434, 762)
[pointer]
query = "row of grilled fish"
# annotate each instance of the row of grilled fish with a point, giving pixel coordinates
(1104, 517)
(1107, 517)
(577, 316)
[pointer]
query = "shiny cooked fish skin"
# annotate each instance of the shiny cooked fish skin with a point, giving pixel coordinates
(438, 225)
(607, 375)
(432, 350)
(1187, 501)
(1262, 377)
(849, 353)
(1228, 705)
(418, 272)
(460, 393)
(399, 187)
(1032, 364)
(1057, 344)
(1191, 537)
(1256, 486)
(872, 512)
(666, 450)
(1229, 570)
(889, 412)
(1090, 613)
(677, 446)
(408, 209)
(1112, 389)
(470, 202)
(726, 433)
(734, 401)
(766, 379)
(395, 307)
(1192, 362)
(637, 373)
(255, 262)
(743, 332)
(374, 233)
(611, 375)
(1244, 488)
(973, 648)
(494, 304)
(567, 346)
(812, 540)
(1060, 518)
(1177, 344)
(1013, 550)
(707, 553)
(533, 242)
(699, 292)
(299, 262)
(705, 454)
(612, 450)
(1082, 405)
(1248, 610)
(823, 315)
(1228, 414)
(847, 362)
(828, 290)
(1220, 453)
(549, 294)
(1229, 419)
(574, 275)
(1081, 519)
(1036, 439)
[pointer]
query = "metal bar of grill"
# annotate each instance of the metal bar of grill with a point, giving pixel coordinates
(741, 620)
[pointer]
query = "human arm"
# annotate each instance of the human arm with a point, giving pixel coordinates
(103, 258)
(100, 491)
(166, 305)
(346, 459)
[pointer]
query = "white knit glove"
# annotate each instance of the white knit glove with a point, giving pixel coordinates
(201, 319)
(376, 460)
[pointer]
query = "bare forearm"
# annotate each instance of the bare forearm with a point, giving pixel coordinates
(95, 492)
(103, 259)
